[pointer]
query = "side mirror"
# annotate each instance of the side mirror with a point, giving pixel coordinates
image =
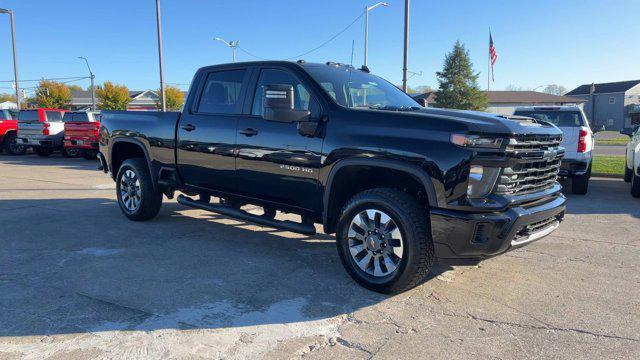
(423, 102)
(277, 105)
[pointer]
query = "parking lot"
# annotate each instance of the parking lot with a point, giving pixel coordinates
(78, 280)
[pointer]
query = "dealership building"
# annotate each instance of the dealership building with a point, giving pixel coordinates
(145, 100)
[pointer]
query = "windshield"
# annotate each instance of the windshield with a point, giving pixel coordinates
(557, 118)
(357, 89)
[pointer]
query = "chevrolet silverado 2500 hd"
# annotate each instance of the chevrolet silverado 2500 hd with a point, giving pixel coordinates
(400, 185)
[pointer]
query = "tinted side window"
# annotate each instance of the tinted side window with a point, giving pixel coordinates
(221, 93)
(54, 116)
(301, 100)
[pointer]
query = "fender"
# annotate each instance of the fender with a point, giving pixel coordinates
(411, 169)
(140, 144)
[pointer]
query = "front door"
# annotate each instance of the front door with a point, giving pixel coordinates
(207, 132)
(275, 162)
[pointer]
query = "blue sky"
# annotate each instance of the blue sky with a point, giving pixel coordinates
(538, 42)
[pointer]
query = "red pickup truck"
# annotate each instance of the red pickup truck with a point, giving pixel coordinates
(8, 133)
(81, 133)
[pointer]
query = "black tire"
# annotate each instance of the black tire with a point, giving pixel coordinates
(628, 173)
(89, 154)
(412, 221)
(43, 151)
(635, 185)
(11, 145)
(580, 184)
(150, 199)
(204, 198)
(70, 152)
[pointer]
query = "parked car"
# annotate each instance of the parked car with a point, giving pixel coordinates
(9, 132)
(81, 132)
(42, 129)
(577, 140)
(400, 185)
(632, 161)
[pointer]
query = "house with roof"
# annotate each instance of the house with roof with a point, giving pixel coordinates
(610, 105)
(143, 100)
(505, 102)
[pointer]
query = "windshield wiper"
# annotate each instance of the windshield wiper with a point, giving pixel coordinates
(395, 108)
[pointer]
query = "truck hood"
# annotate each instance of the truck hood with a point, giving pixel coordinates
(481, 122)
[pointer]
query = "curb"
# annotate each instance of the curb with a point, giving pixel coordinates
(613, 176)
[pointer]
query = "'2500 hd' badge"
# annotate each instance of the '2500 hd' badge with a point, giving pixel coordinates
(297, 169)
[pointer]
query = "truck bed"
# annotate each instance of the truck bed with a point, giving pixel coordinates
(155, 130)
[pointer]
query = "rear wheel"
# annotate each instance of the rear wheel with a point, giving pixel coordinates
(11, 145)
(89, 154)
(384, 240)
(43, 151)
(580, 184)
(137, 197)
(70, 152)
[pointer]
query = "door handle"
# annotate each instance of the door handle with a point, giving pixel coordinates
(249, 132)
(189, 127)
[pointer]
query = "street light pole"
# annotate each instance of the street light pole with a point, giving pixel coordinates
(232, 44)
(163, 102)
(15, 59)
(93, 91)
(366, 28)
(406, 46)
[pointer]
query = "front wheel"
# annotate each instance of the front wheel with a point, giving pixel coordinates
(635, 185)
(137, 197)
(384, 240)
(12, 147)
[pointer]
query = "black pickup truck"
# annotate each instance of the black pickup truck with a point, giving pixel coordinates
(399, 184)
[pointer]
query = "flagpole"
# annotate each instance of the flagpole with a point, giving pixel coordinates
(488, 63)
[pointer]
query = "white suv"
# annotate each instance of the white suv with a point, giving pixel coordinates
(632, 163)
(577, 140)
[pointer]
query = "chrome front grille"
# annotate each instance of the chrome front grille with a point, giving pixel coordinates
(536, 163)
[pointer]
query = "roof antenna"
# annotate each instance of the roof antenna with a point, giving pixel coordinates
(353, 43)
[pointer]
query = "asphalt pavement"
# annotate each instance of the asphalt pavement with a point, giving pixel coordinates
(78, 281)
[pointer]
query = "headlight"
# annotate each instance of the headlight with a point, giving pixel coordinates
(481, 181)
(476, 141)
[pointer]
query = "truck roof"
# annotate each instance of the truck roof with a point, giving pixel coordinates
(300, 63)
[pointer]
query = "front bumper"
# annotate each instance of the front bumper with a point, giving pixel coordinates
(574, 167)
(461, 237)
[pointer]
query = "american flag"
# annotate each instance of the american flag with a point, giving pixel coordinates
(493, 54)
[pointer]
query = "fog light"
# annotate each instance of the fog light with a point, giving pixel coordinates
(481, 181)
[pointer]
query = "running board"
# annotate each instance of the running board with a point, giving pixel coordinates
(307, 229)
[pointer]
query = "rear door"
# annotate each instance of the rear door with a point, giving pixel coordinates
(206, 133)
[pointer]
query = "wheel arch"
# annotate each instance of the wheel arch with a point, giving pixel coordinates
(340, 185)
(126, 148)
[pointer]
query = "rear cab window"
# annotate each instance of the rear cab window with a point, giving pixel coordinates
(29, 115)
(76, 117)
(54, 116)
(559, 118)
(222, 92)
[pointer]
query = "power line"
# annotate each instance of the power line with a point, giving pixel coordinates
(38, 80)
(315, 48)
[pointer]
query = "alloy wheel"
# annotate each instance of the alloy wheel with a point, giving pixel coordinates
(375, 242)
(130, 193)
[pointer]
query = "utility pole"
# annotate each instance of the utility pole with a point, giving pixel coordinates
(163, 101)
(406, 46)
(232, 44)
(93, 91)
(366, 28)
(15, 58)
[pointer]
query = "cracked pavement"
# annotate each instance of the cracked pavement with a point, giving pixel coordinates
(78, 280)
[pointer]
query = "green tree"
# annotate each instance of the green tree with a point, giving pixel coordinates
(174, 97)
(458, 83)
(52, 94)
(75, 87)
(7, 97)
(112, 96)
